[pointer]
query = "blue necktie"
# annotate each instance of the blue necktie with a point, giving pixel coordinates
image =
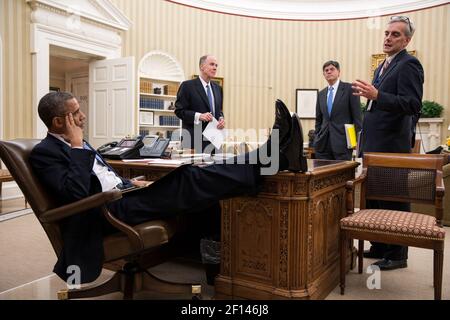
(330, 100)
(97, 156)
(211, 106)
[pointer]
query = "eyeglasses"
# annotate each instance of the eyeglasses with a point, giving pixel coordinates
(404, 19)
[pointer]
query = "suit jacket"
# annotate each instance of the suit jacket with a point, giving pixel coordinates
(389, 125)
(346, 110)
(67, 174)
(192, 98)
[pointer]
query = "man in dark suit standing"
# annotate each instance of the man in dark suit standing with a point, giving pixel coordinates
(198, 102)
(336, 106)
(393, 108)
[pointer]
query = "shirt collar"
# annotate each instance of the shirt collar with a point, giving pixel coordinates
(59, 137)
(335, 85)
(204, 83)
(390, 58)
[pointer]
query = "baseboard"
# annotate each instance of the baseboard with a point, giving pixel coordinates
(10, 190)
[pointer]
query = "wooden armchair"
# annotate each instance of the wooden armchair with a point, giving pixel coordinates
(399, 177)
(129, 252)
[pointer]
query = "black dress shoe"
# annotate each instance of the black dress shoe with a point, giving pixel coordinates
(386, 264)
(282, 122)
(292, 150)
(372, 254)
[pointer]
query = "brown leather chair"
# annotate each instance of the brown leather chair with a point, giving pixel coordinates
(415, 178)
(129, 252)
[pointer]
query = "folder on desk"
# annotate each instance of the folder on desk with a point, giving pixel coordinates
(350, 134)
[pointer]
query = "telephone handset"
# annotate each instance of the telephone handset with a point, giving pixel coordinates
(107, 146)
(127, 148)
(154, 146)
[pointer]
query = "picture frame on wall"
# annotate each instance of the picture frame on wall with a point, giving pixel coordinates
(54, 89)
(146, 118)
(305, 102)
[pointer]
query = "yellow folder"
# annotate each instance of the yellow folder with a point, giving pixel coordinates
(350, 134)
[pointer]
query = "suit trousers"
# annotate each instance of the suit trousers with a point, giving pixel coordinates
(187, 189)
(328, 154)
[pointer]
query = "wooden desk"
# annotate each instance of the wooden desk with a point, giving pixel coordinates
(284, 243)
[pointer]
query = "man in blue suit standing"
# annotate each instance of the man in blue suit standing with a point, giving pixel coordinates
(199, 101)
(393, 108)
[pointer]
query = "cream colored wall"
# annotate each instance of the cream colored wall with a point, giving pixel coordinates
(17, 72)
(260, 60)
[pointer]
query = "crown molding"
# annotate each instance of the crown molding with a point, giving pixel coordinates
(96, 11)
(310, 10)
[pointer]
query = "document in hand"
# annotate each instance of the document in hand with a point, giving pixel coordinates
(350, 134)
(214, 135)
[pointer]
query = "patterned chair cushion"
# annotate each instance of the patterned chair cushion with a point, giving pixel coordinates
(408, 224)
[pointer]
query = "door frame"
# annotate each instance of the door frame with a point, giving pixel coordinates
(42, 36)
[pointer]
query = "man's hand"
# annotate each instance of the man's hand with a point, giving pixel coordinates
(221, 123)
(73, 133)
(206, 117)
(364, 89)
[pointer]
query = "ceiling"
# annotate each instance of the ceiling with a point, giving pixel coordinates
(311, 10)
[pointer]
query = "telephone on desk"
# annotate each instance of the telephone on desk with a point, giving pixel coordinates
(127, 148)
(154, 147)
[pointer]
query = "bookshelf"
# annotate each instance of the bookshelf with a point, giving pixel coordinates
(160, 76)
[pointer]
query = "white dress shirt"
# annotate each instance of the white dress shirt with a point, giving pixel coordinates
(204, 83)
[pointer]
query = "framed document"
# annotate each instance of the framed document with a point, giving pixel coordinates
(146, 117)
(305, 102)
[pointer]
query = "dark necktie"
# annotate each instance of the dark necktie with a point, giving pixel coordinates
(211, 105)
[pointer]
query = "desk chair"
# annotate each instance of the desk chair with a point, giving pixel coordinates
(129, 252)
(399, 177)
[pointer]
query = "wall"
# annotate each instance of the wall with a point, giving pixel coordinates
(260, 60)
(17, 72)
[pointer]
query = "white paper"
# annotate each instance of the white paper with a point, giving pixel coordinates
(214, 135)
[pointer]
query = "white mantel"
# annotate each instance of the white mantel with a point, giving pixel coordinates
(430, 131)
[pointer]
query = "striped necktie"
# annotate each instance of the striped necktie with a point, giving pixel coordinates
(211, 105)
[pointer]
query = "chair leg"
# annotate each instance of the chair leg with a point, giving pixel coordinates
(343, 249)
(438, 262)
(360, 255)
(111, 285)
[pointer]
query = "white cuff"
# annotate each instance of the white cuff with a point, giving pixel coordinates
(197, 118)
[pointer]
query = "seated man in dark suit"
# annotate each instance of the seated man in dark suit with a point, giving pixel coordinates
(72, 170)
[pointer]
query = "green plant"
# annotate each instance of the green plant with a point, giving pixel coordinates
(363, 107)
(431, 109)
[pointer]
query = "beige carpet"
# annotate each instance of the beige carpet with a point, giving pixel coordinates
(26, 256)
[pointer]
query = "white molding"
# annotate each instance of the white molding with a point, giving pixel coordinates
(106, 13)
(429, 130)
(311, 10)
(54, 27)
(160, 65)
